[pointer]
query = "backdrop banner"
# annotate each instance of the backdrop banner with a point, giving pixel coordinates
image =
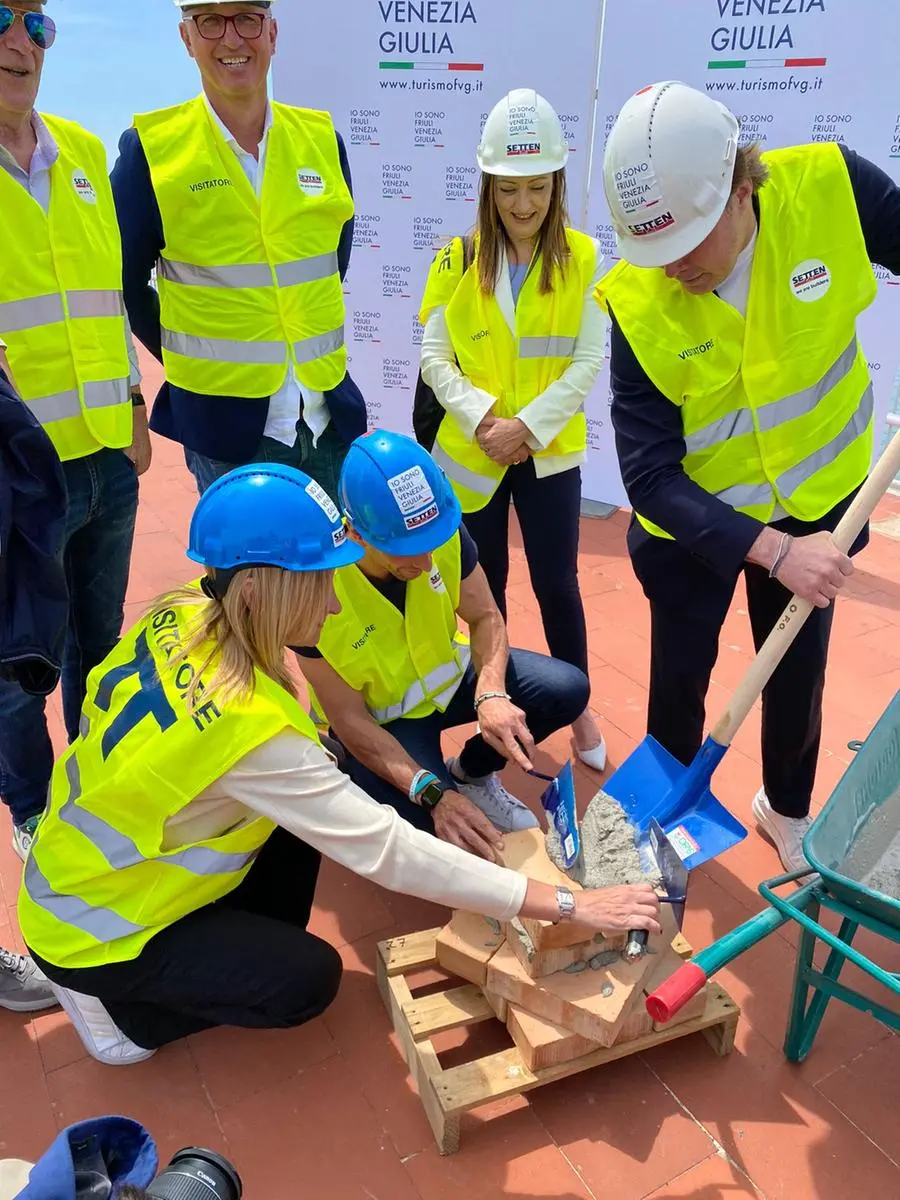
(410, 82)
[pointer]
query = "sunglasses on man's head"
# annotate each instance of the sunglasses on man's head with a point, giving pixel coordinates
(40, 28)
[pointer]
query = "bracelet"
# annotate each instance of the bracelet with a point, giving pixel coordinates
(783, 551)
(479, 700)
(421, 780)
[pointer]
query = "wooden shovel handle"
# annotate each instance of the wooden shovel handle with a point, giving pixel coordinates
(780, 639)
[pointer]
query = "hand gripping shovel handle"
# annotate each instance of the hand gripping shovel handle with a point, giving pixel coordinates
(782, 636)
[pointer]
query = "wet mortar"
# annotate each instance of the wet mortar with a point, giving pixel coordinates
(608, 853)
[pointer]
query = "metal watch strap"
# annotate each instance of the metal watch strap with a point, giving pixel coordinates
(566, 902)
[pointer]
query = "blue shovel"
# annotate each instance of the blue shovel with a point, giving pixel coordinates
(651, 783)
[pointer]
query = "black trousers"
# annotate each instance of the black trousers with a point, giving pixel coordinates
(549, 511)
(688, 605)
(246, 960)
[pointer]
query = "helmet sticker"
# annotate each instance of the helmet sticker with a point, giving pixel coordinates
(637, 187)
(411, 490)
(339, 536)
(523, 122)
(417, 520)
(324, 501)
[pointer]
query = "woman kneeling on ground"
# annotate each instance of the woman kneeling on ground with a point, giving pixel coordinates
(172, 877)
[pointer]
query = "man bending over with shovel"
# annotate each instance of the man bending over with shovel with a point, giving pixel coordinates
(742, 404)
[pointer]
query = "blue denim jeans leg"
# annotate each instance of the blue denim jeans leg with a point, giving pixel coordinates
(321, 462)
(102, 494)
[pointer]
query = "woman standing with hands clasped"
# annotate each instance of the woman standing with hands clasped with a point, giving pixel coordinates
(512, 346)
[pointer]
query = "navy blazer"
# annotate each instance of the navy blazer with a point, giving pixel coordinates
(226, 428)
(34, 600)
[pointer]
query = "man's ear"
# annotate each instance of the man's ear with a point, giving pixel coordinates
(185, 37)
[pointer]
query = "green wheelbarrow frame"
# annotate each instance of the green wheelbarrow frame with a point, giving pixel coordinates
(822, 885)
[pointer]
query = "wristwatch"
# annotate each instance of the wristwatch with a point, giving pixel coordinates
(566, 902)
(431, 795)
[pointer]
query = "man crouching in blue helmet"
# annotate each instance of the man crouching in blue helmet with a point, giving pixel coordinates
(392, 670)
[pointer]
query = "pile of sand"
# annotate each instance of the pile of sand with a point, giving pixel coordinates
(608, 852)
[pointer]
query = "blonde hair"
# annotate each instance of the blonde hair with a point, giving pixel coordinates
(553, 245)
(749, 166)
(264, 609)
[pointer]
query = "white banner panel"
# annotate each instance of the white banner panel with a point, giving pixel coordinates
(792, 71)
(409, 84)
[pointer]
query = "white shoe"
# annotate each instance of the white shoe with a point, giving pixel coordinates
(595, 758)
(787, 833)
(23, 836)
(101, 1036)
(504, 811)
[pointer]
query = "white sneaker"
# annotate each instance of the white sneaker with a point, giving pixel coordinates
(787, 833)
(23, 836)
(504, 811)
(101, 1036)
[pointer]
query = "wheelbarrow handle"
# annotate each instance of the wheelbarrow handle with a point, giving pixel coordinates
(782, 636)
(691, 977)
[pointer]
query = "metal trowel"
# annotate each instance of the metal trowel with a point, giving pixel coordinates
(660, 856)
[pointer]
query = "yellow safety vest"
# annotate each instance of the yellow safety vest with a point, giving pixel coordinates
(404, 664)
(248, 286)
(99, 881)
(777, 407)
(515, 366)
(61, 310)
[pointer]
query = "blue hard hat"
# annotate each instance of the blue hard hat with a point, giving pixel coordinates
(268, 515)
(395, 495)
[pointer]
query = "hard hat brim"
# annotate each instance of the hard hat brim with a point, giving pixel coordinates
(668, 248)
(523, 169)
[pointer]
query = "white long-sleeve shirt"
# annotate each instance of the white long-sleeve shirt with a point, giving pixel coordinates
(547, 415)
(294, 783)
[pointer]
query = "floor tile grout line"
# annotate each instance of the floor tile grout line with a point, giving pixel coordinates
(875, 1146)
(850, 1061)
(719, 1149)
(567, 1160)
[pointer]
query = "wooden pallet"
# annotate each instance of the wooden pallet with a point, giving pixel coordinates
(446, 1093)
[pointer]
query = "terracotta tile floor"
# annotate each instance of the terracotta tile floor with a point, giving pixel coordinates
(329, 1110)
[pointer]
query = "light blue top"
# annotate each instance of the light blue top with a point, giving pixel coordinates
(517, 273)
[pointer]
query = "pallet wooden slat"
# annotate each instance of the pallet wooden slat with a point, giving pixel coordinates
(447, 1093)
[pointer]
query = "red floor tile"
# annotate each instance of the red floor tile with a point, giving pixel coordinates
(713, 1179)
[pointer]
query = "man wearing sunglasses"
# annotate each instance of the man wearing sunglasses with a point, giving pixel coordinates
(245, 209)
(67, 349)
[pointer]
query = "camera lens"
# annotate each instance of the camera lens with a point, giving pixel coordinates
(195, 1174)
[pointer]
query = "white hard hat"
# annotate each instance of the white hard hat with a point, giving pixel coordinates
(667, 172)
(212, 3)
(522, 137)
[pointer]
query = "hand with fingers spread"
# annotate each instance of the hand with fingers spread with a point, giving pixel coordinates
(619, 909)
(458, 821)
(502, 725)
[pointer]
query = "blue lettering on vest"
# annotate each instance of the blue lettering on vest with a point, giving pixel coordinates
(150, 701)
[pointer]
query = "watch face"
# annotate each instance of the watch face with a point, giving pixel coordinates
(431, 795)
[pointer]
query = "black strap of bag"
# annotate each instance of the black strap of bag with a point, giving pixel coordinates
(427, 410)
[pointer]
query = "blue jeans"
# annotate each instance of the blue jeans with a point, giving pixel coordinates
(322, 462)
(102, 503)
(551, 693)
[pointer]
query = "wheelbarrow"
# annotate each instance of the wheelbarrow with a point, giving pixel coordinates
(853, 851)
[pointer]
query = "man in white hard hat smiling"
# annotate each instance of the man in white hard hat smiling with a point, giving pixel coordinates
(247, 208)
(742, 403)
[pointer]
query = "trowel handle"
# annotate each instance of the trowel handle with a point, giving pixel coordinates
(782, 636)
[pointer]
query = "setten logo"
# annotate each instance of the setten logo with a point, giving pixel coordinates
(663, 221)
(520, 148)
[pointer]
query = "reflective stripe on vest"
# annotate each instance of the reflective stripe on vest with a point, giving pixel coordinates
(68, 404)
(262, 353)
(546, 347)
(17, 315)
(770, 416)
(457, 473)
(422, 689)
(100, 923)
(250, 275)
